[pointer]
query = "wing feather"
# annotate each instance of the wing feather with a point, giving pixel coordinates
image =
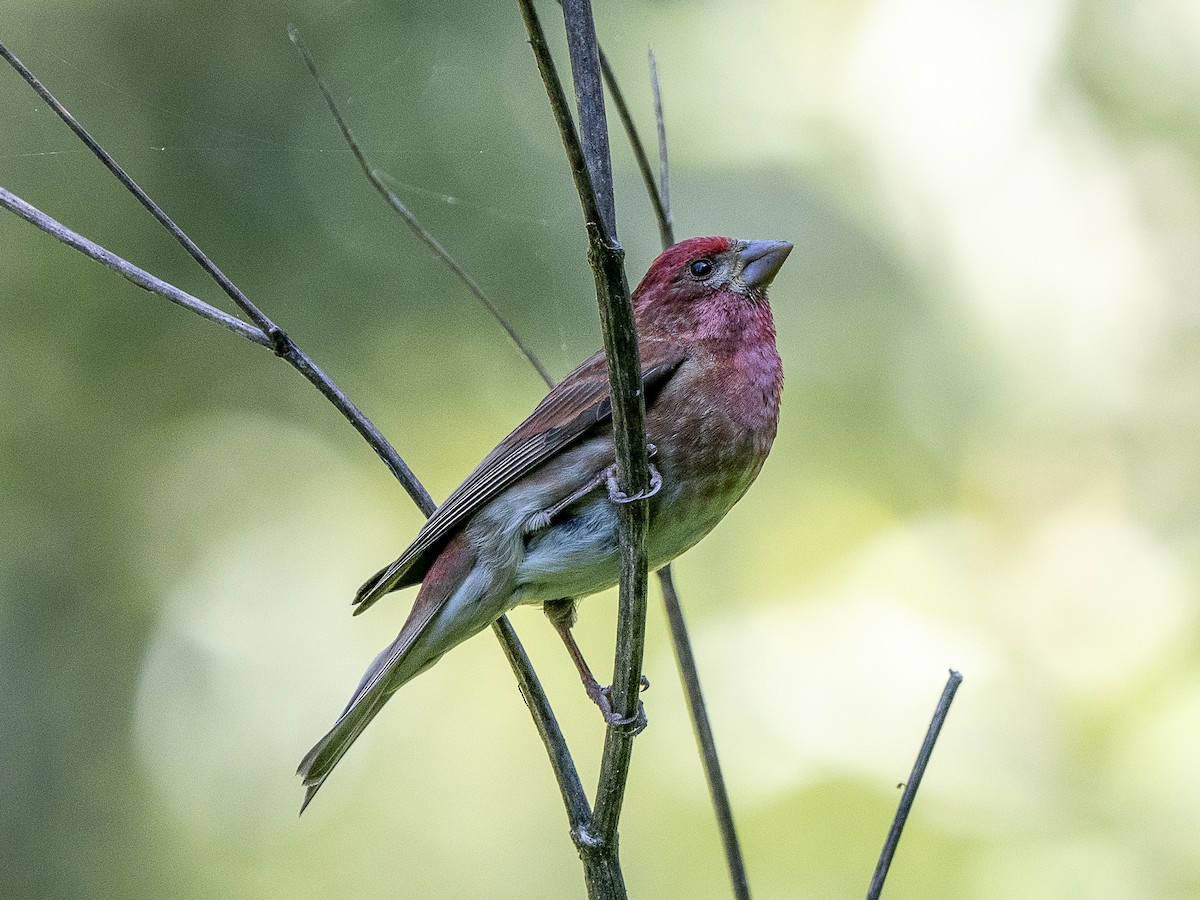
(577, 404)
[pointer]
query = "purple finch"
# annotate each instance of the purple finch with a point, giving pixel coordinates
(535, 521)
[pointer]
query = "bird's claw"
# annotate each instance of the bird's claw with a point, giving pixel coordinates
(636, 724)
(616, 495)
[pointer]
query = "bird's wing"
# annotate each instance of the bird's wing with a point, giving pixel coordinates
(576, 404)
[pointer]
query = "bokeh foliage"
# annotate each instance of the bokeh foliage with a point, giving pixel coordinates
(988, 456)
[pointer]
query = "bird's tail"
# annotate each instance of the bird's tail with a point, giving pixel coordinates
(380, 682)
(400, 662)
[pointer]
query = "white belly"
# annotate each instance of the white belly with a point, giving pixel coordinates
(579, 554)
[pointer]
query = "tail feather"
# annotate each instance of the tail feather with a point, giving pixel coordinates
(395, 666)
(319, 763)
(387, 579)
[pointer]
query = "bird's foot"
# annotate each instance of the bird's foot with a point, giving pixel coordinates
(608, 477)
(602, 697)
(616, 495)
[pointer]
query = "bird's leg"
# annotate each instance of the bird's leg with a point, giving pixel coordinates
(609, 478)
(546, 516)
(561, 614)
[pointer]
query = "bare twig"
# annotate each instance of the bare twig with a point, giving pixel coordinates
(126, 269)
(562, 112)
(589, 101)
(278, 338)
(293, 354)
(661, 214)
(914, 782)
(376, 178)
(664, 173)
(705, 740)
(579, 811)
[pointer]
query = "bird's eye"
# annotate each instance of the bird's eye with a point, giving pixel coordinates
(701, 268)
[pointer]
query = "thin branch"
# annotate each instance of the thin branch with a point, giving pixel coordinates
(589, 100)
(661, 214)
(914, 782)
(579, 810)
(128, 270)
(664, 171)
(271, 336)
(279, 340)
(375, 177)
(291, 353)
(562, 112)
(705, 740)
(300, 361)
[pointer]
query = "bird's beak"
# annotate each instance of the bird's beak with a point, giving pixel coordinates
(761, 260)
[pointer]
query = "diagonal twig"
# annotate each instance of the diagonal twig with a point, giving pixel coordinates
(234, 292)
(914, 782)
(277, 339)
(579, 810)
(375, 177)
(126, 269)
(293, 355)
(664, 173)
(658, 199)
(705, 740)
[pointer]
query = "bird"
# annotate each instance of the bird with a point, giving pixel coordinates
(536, 521)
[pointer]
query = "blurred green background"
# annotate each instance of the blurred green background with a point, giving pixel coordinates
(988, 456)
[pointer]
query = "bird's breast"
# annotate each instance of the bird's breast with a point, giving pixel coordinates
(712, 429)
(711, 426)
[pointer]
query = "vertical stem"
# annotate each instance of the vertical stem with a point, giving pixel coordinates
(589, 99)
(629, 417)
(629, 423)
(705, 740)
